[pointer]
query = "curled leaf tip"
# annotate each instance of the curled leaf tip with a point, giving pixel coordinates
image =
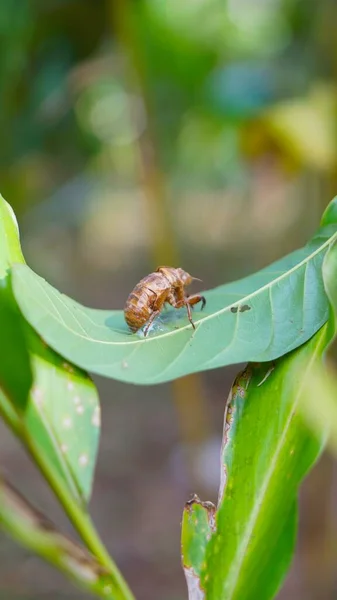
(330, 213)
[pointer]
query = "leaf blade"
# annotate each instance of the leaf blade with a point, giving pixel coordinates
(15, 369)
(63, 414)
(318, 399)
(58, 386)
(196, 530)
(258, 318)
(267, 450)
(10, 249)
(268, 501)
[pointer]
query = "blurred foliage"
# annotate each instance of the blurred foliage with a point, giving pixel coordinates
(235, 77)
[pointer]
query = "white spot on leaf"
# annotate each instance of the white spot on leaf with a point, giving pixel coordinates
(96, 417)
(80, 409)
(67, 423)
(37, 395)
(83, 460)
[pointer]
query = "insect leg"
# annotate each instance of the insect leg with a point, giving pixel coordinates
(189, 314)
(177, 300)
(150, 321)
(195, 299)
(190, 301)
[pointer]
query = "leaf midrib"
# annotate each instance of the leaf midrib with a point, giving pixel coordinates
(199, 322)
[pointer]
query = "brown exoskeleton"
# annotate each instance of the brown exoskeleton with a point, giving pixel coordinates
(147, 299)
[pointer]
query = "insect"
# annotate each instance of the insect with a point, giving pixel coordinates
(147, 299)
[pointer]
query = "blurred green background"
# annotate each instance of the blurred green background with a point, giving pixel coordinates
(196, 133)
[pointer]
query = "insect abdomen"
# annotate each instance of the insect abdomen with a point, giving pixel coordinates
(137, 308)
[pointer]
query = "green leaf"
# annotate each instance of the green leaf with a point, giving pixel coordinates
(318, 404)
(330, 284)
(62, 413)
(258, 318)
(10, 249)
(63, 417)
(196, 530)
(319, 390)
(15, 370)
(267, 450)
(268, 447)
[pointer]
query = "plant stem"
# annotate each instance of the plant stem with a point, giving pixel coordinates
(77, 514)
(164, 250)
(35, 532)
(186, 391)
(80, 519)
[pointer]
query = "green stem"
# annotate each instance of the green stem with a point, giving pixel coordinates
(80, 519)
(35, 532)
(77, 515)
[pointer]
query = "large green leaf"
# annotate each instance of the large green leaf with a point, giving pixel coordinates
(266, 452)
(272, 442)
(258, 318)
(244, 551)
(62, 414)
